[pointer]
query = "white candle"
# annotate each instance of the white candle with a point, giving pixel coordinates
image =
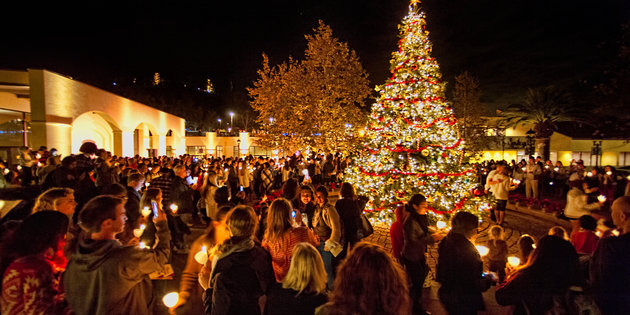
(609, 173)
(514, 261)
(516, 181)
(601, 198)
(174, 208)
(615, 233)
(483, 251)
(202, 256)
(146, 211)
(441, 224)
(170, 299)
(556, 169)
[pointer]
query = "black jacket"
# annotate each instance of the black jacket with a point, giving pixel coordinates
(238, 280)
(459, 270)
(182, 195)
(282, 301)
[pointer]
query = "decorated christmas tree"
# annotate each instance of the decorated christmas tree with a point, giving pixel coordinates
(412, 144)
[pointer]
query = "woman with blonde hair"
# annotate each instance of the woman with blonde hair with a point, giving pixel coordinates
(58, 199)
(281, 236)
(304, 287)
(368, 282)
(208, 189)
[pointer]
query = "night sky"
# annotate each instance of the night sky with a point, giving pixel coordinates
(509, 45)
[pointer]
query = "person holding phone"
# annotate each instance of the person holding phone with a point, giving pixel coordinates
(105, 277)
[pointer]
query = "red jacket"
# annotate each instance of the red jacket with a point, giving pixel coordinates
(396, 232)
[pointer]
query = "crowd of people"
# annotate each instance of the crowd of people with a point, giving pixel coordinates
(92, 229)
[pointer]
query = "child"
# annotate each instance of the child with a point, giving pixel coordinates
(585, 239)
(497, 256)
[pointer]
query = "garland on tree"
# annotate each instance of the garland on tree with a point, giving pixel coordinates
(412, 143)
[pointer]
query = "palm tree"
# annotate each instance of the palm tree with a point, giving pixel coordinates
(544, 108)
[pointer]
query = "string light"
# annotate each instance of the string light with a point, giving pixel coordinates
(412, 144)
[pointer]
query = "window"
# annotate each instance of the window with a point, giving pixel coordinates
(624, 159)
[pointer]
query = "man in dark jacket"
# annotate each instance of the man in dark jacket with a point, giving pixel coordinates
(182, 196)
(135, 182)
(103, 277)
(459, 267)
(610, 265)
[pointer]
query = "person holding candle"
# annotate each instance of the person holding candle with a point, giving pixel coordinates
(135, 182)
(30, 282)
(498, 251)
(214, 235)
(327, 226)
(460, 269)
(103, 277)
(241, 271)
(416, 238)
(577, 205)
(549, 272)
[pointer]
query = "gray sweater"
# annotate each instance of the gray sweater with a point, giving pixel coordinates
(104, 277)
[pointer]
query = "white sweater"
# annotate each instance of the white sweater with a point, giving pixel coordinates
(577, 205)
(501, 190)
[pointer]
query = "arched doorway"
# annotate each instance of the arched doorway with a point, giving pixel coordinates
(146, 141)
(96, 127)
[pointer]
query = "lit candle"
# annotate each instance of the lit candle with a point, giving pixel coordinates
(146, 184)
(170, 299)
(609, 173)
(38, 156)
(514, 261)
(483, 251)
(556, 169)
(615, 233)
(601, 198)
(146, 211)
(589, 174)
(547, 166)
(305, 172)
(138, 232)
(441, 224)
(142, 245)
(7, 171)
(174, 208)
(524, 169)
(598, 233)
(202, 256)
(19, 168)
(516, 181)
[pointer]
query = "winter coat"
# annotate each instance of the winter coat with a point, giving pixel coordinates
(238, 280)
(416, 237)
(396, 233)
(104, 278)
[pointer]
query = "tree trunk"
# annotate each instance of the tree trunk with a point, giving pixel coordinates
(542, 147)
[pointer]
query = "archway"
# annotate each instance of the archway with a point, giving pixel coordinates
(96, 127)
(146, 141)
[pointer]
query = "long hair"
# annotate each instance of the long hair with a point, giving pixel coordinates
(48, 199)
(526, 246)
(554, 262)
(346, 191)
(150, 194)
(306, 272)
(416, 199)
(496, 233)
(209, 233)
(38, 232)
(278, 219)
(370, 282)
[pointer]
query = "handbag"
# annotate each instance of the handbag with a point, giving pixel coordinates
(364, 228)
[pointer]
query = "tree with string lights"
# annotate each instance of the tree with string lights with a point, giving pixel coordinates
(412, 144)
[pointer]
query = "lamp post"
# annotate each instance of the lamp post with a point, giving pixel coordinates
(238, 143)
(219, 120)
(530, 142)
(231, 120)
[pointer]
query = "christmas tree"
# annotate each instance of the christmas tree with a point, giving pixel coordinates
(412, 144)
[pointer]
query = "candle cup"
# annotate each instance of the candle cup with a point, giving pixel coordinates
(142, 245)
(601, 198)
(514, 261)
(174, 208)
(146, 211)
(170, 299)
(483, 250)
(138, 232)
(202, 256)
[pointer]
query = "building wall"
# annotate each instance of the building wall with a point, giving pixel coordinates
(57, 101)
